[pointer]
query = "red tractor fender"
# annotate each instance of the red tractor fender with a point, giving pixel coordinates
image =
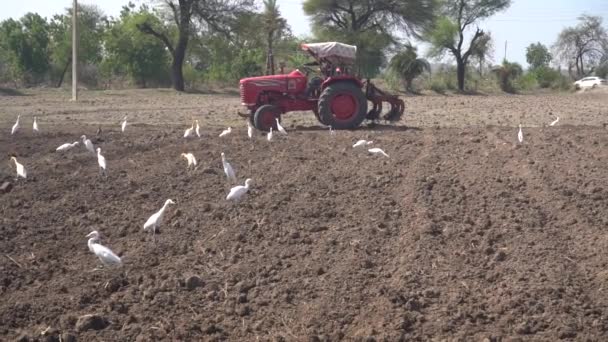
(346, 78)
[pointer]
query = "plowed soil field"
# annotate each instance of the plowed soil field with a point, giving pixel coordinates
(462, 234)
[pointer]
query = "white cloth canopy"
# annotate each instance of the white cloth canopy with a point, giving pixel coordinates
(332, 50)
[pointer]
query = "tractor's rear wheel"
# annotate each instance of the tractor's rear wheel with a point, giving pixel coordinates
(318, 116)
(265, 117)
(342, 106)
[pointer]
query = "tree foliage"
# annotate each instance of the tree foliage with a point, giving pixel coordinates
(370, 25)
(274, 27)
(24, 46)
(133, 53)
(186, 16)
(506, 74)
(584, 46)
(408, 66)
(537, 55)
(91, 25)
(483, 51)
(449, 33)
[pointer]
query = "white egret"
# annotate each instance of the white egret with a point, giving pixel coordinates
(280, 128)
(520, 135)
(237, 192)
(156, 219)
(88, 144)
(123, 125)
(269, 136)
(197, 129)
(16, 125)
(554, 121)
(376, 150)
(228, 170)
(105, 255)
(20, 169)
(67, 146)
(362, 143)
(35, 126)
(188, 132)
(101, 160)
(249, 130)
(190, 158)
(226, 132)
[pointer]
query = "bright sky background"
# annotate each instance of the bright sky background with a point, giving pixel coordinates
(525, 22)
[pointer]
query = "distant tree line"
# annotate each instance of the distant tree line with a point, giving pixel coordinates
(189, 43)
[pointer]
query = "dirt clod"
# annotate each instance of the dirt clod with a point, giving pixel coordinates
(6, 187)
(193, 282)
(91, 322)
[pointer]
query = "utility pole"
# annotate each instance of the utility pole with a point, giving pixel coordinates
(75, 51)
(505, 50)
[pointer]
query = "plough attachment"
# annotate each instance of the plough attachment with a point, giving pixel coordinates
(377, 96)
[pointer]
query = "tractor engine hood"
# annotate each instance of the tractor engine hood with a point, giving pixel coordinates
(251, 87)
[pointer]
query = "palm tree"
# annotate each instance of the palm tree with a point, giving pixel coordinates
(408, 66)
(275, 26)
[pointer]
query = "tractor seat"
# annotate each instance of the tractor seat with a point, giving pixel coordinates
(313, 84)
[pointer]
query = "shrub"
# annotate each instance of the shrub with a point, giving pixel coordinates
(546, 77)
(526, 82)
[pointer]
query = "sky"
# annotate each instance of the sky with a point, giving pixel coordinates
(524, 23)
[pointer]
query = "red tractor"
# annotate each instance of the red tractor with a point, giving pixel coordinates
(338, 98)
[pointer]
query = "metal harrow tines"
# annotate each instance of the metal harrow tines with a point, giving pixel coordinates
(396, 111)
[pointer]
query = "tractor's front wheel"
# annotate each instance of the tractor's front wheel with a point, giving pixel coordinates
(342, 106)
(265, 117)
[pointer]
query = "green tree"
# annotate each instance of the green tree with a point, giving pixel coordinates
(408, 66)
(583, 46)
(370, 25)
(26, 46)
(483, 51)
(274, 26)
(129, 51)
(537, 55)
(506, 74)
(449, 32)
(212, 15)
(91, 25)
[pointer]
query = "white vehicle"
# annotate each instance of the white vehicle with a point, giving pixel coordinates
(589, 82)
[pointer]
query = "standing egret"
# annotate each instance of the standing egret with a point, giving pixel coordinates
(520, 135)
(249, 130)
(156, 219)
(101, 160)
(123, 125)
(237, 192)
(105, 255)
(226, 132)
(67, 146)
(279, 127)
(190, 158)
(16, 125)
(20, 169)
(555, 121)
(228, 170)
(35, 126)
(88, 144)
(188, 132)
(198, 129)
(362, 143)
(376, 150)
(269, 136)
